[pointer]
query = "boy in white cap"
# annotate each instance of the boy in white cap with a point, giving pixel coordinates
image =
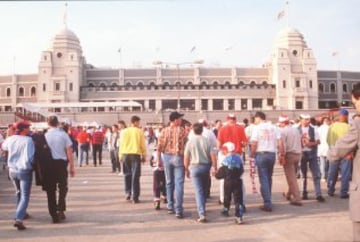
(231, 170)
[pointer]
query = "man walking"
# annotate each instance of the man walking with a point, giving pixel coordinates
(200, 153)
(56, 173)
(132, 153)
(21, 151)
(290, 158)
(171, 149)
(264, 140)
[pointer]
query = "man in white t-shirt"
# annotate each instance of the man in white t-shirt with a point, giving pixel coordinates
(265, 139)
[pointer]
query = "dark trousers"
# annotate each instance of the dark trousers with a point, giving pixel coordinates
(97, 148)
(233, 188)
(56, 178)
(159, 184)
(115, 163)
(132, 172)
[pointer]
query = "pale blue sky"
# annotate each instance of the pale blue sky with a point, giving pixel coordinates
(167, 30)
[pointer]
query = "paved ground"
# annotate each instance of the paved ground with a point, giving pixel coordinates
(97, 211)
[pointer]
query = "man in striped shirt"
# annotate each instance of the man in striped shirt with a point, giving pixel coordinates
(171, 150)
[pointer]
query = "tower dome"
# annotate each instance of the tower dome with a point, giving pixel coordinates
(290, 37)
(66, 39)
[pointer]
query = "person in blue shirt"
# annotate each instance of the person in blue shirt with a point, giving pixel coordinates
(231, 170)
(21, 151)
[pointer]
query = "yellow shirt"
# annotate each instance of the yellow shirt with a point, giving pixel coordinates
(132, 141)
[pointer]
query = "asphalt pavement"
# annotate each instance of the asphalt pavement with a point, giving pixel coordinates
(97, 211)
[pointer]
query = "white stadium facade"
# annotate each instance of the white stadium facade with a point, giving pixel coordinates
(67, 85)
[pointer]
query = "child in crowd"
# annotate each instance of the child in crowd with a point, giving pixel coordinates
(231, 170)
(159, 183)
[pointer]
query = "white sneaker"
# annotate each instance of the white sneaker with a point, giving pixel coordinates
(202, 219)
(239, 220)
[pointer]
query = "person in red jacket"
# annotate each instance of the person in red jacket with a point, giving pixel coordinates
(97, 143)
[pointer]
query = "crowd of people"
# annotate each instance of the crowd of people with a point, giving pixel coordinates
(197, 151)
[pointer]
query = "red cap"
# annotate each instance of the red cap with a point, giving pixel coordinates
(21, 125)
(231, 116)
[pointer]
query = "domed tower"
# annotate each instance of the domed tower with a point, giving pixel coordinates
(294, 72)
(60, 69)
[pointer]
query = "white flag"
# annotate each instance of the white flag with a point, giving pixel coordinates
(334, 53)
(280, 15)
(192, 49)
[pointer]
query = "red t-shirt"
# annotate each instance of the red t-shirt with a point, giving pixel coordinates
(233, 133)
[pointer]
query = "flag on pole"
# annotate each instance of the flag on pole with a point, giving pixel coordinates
(335, 53)
(280, 15)
(192, 49)
(119, 50)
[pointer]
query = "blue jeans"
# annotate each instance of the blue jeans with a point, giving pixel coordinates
(200, 176)
(22, 184)
(265, 164)
(132, 172)
(83, 148)
(324, 167)
(309, 157)
(345, 169)
(174, 175)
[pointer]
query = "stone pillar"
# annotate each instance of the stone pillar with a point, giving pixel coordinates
(158, 105)
(226, 105)
(210, 105)
(264, 104)
(249, 104)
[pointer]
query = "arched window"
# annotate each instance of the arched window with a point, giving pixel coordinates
(128, 86)
(215, 85)
(140, 85)
(165, 85)
(321, 88)
(345, 89)
(332, 88)
(33, 91)
(91, 84)
(284, 83)
(252, 84)
(21, 92)
(8, 92)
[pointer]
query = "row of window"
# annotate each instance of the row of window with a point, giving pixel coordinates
(297, 84)
(345, 87)
(203, 83)
(21, 92)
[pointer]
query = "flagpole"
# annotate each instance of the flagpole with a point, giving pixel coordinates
(287, 14)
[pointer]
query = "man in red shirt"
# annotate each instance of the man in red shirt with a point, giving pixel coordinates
(97, 143)
(234, 133)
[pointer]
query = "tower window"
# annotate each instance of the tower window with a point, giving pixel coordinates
(8, 92)
(297, 83)
(70, 86)
(21, 91)
(44, 87)
(33, 91)
(59, 55)
(284, 84)
(295, 52)
(57, 86)
(310, 84)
